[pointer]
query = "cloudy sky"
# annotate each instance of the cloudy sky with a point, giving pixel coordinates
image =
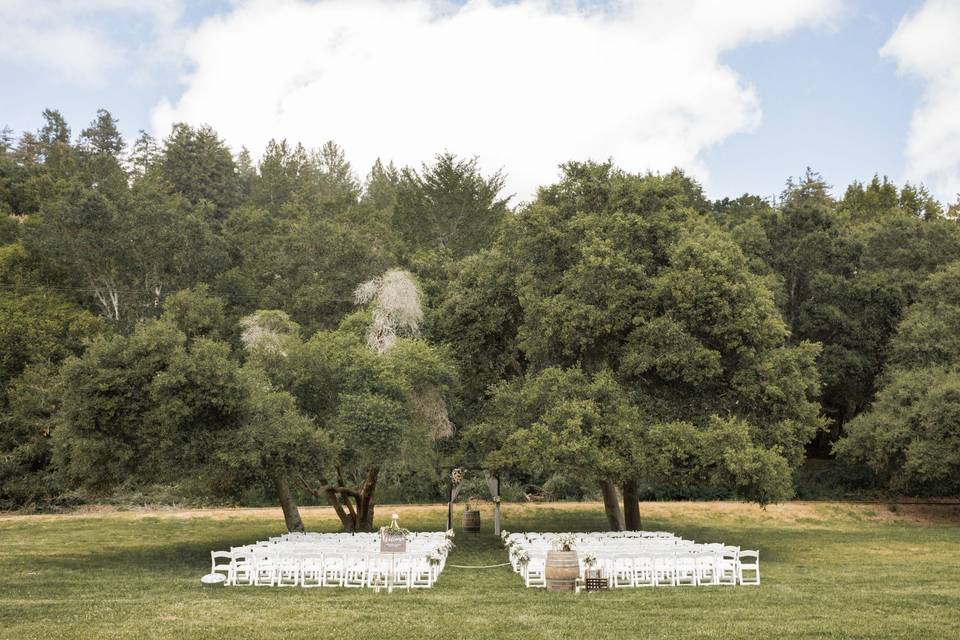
(742, 93)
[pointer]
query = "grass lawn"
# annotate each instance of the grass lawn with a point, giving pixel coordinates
(830, 570)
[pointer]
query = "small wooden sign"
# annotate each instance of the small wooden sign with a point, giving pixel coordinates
(597, 584)
(392, 542)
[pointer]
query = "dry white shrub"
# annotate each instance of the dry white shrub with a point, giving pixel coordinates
(432, 409)
(396, 308)
(266, 331)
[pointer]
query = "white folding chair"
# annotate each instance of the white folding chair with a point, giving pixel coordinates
(664, 569)
(333, 570)
(311, 571)
(243, 565)
(643, 574)
(534, 572)
(288, 572)
(355, 571)
(727, 572)
(222, 562)
(686, 569)
(749, 561)
(623, 572)
(402, 572)
(423, 574)
(265, 569)
(706, 566)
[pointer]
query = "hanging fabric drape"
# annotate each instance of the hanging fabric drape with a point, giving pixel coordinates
(456, 481)
(493, 483)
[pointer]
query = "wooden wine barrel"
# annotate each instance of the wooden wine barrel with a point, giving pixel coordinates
(562, 570)
(471, 521)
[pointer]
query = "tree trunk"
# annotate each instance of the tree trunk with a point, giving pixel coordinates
(611, 505)
(366, 502)
(354, 507)
(346, 519)
(291, 514)
(631, 506)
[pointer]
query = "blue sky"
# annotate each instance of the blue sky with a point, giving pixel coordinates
(829, 101)
(761, 94)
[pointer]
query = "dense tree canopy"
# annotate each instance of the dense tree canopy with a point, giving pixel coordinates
(175, 313)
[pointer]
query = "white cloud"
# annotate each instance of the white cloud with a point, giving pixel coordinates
(926, 44)
(78, 40)
(524, 85)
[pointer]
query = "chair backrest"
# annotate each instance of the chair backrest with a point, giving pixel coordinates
(220, 555)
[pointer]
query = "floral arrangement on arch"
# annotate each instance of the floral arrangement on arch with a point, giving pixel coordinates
(564, 542)
(457, 476)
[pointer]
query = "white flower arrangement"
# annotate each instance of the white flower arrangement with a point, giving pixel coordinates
(450, 534)
(521, 556)
(564, 542)
(447, 545)
(434, 558)
(394, 528)
(590, 560)
(504, 535)
(496, 499)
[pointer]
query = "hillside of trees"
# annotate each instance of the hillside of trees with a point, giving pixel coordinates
(180, 323)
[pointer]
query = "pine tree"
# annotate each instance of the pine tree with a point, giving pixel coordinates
(102, 136)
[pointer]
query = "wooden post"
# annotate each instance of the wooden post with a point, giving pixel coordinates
(496, 510)
(450, 505)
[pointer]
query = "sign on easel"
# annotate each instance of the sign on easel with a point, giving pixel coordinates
(392, 542)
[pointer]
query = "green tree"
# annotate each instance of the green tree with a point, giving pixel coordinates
(846, 271)
(479, 316)
(199, 166)
(449, 206)
(623, 276)
(380, 392)
(103, 136)
(909, 438)
(305, 264)
(168, 404)
(127, 253)
(55, 129)
(144, 154)
(381, 189)
(38, 329)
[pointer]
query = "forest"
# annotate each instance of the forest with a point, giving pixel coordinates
(180, 323)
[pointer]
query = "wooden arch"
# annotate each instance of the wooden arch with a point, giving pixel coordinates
(493, 483)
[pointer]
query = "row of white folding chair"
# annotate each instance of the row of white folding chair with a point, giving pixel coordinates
(655, 569)
(609, 550)
(729, 566)
(422, 547)
(313, 550)
(336, 569)
(360, 537)
(663, 569)
(603, 534)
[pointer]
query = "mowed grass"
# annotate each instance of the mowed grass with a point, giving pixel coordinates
(829, 571)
